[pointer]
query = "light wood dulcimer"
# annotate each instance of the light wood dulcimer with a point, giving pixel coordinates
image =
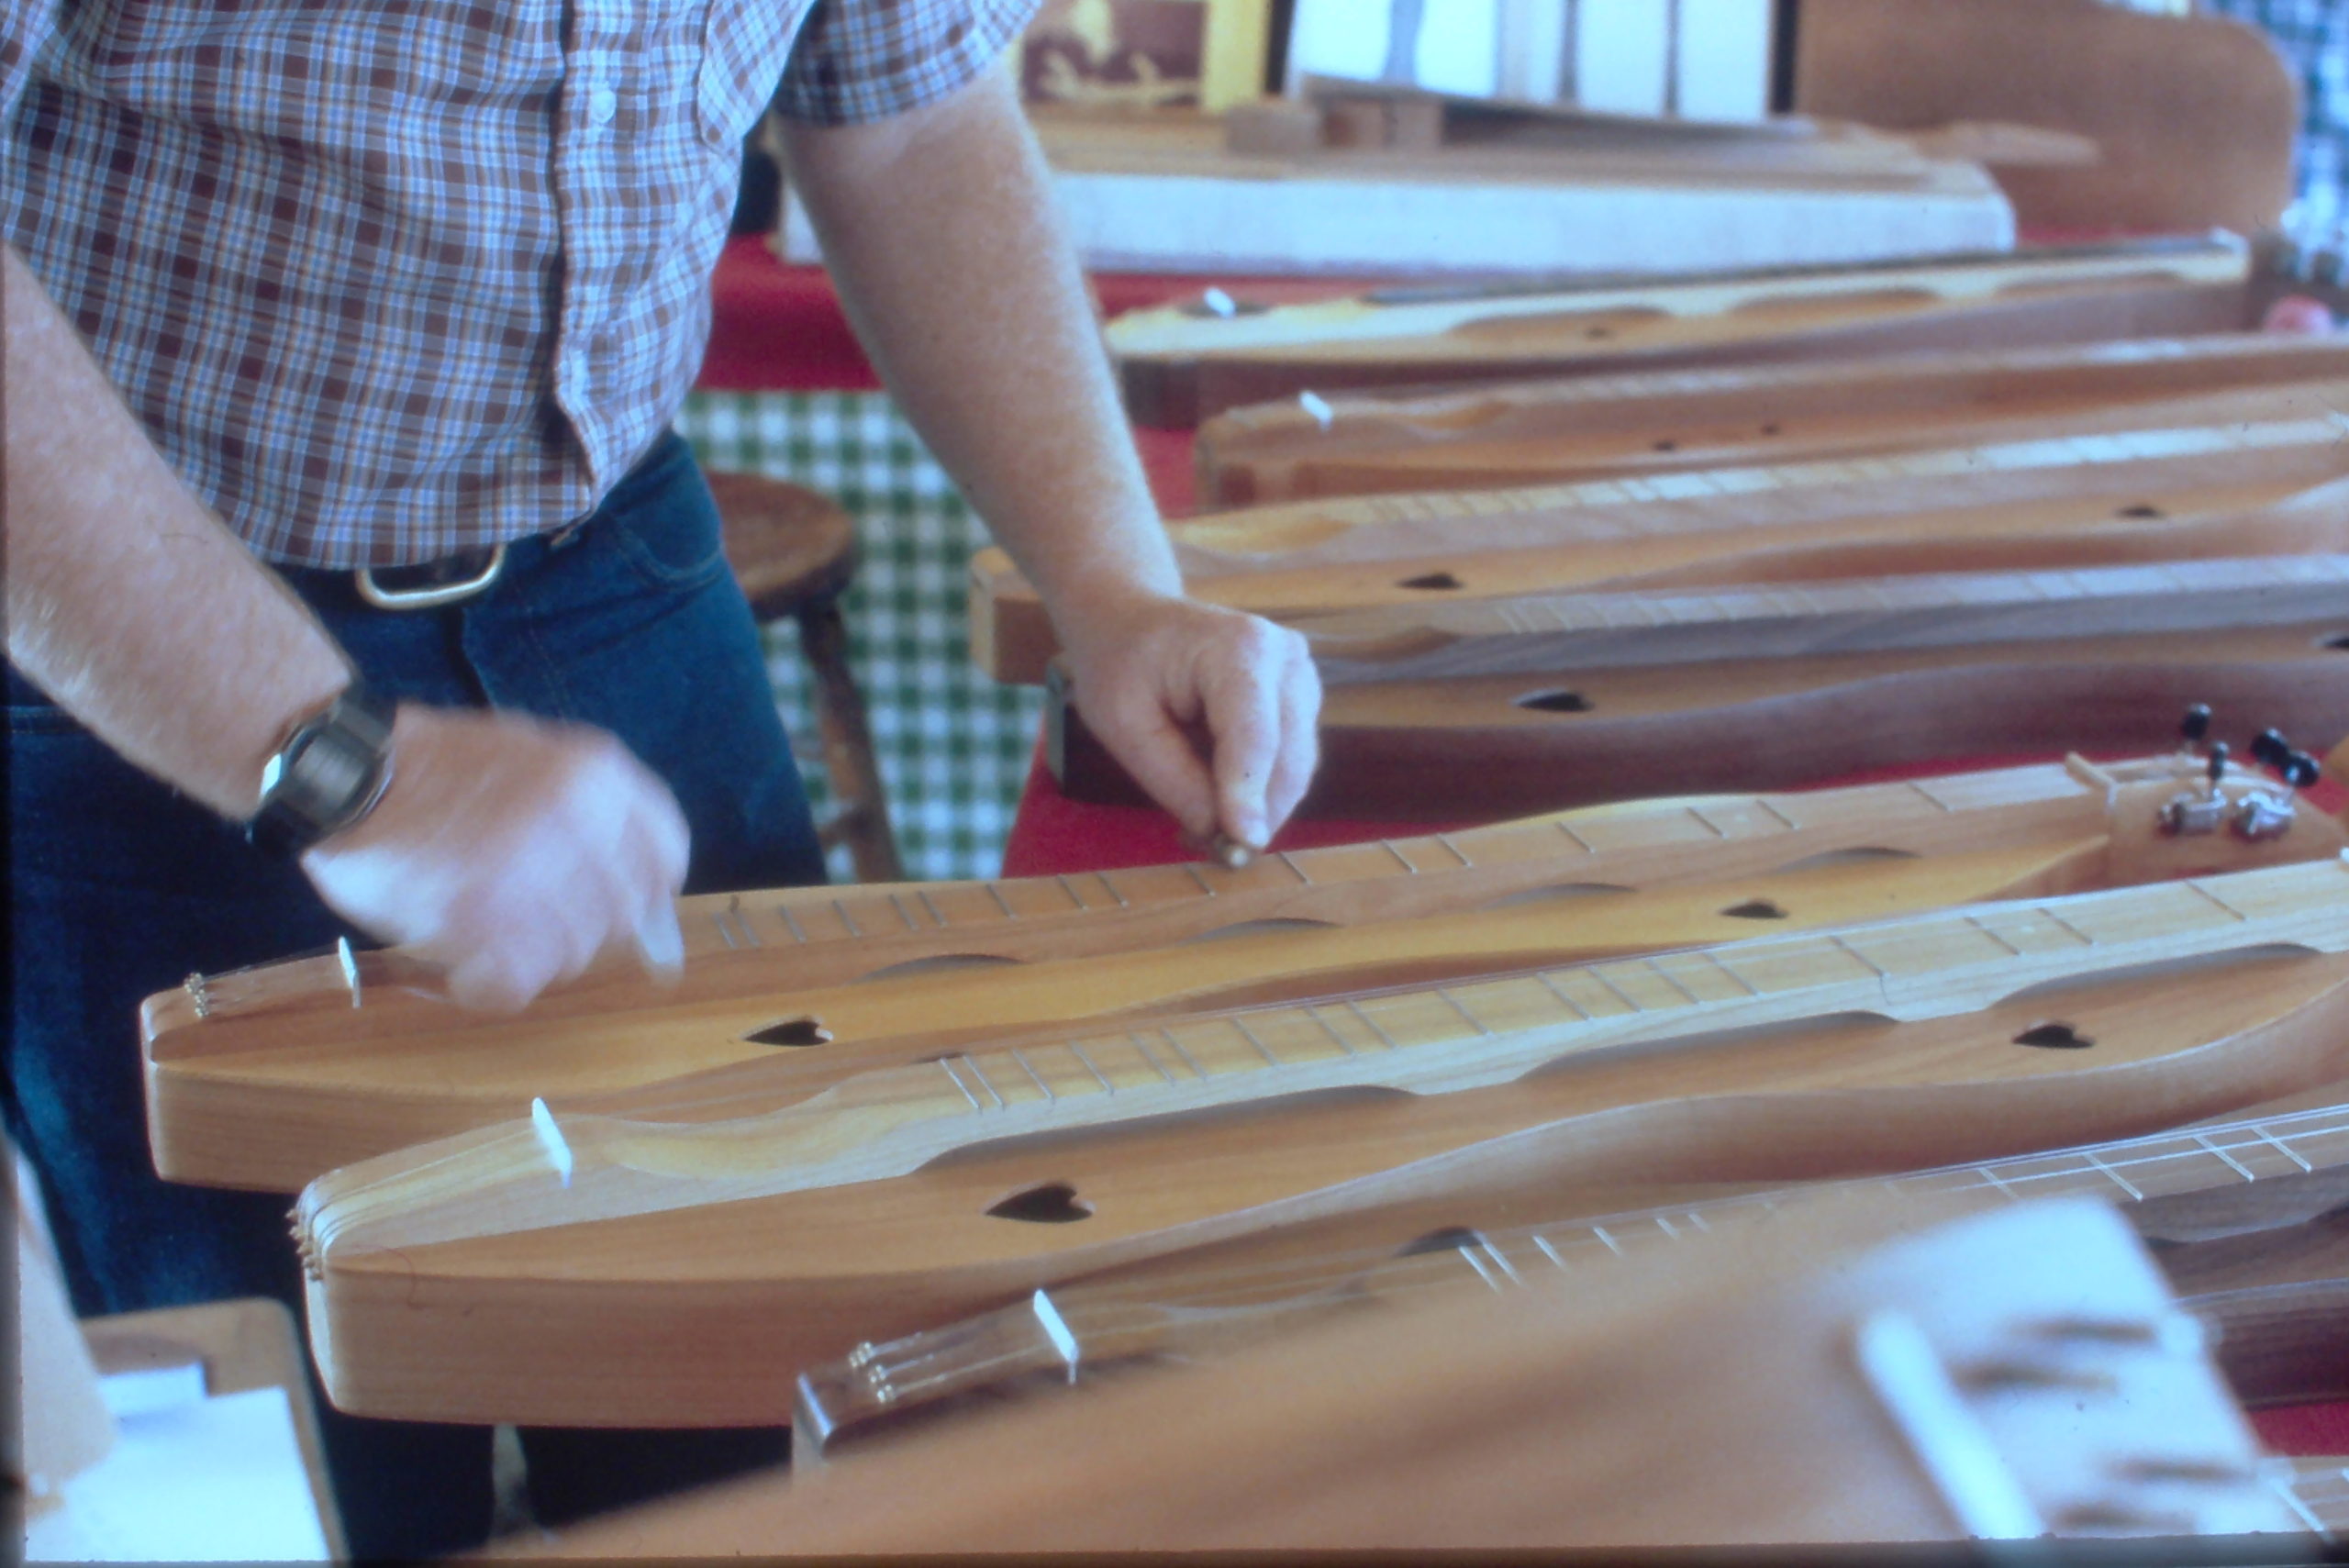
(2246, 1218)
(269, 1078)
(2137, 497)
(2018, 1374)
(1180, 363)
(1586, 428)
(695, 1265)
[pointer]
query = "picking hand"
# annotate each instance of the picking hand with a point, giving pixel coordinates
(1162, 679)
(511, 851)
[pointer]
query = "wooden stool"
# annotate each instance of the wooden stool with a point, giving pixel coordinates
(794, 552)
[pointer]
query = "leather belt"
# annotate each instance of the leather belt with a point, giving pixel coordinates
(430, 585)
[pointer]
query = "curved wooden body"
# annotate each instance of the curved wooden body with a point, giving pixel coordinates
(1504, 744)
(281, 1079)
(462, 1280)
(1756, 1390)
(2135, 497)
(1533, 432)
(1179, 366)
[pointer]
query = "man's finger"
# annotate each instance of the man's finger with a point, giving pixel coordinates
(1244, 717)
(1300, 742)
(1162, 759)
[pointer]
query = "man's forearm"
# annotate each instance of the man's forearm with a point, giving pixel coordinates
(941, 235)
(127, 602)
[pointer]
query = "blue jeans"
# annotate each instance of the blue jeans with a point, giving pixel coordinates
(630, 621)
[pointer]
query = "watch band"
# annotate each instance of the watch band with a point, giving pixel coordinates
(329, 773)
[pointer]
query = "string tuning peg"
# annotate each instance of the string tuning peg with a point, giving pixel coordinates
(2270, 747)
(2196, 725)
(2300, 769)
(2220, 752)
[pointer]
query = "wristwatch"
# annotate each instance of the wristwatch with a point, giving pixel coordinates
(329, 773)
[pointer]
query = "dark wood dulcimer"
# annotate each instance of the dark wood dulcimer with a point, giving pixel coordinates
(2249, 1219)
(1546, 431)
(273, 1076)
(697, 1265)
(1828, 1377)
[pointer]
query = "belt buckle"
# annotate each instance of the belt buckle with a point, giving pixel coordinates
(432, 596)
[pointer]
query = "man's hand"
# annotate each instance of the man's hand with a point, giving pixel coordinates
(511, 851)
(1212, 711)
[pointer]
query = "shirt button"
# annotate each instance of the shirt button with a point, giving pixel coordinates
(602, 104)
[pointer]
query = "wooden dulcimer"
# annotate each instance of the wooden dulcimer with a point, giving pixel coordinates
(1180, 363)
(695, 1265)
(1550, 701)
(1525, 432)
(2246, 1218)
(2014, 1376)
(268, 1078)
(2131, 498)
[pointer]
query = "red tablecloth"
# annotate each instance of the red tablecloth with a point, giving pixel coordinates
(780, 329)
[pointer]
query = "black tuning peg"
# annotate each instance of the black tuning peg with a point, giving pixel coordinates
(2299, 769)
(2270, 747)
(2196, 725)
(2220, 752)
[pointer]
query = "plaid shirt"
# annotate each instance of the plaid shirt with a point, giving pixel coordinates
(387, 278)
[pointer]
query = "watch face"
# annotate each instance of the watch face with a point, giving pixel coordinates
(326, 778)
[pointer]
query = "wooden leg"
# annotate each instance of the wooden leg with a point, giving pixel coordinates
(864, 820)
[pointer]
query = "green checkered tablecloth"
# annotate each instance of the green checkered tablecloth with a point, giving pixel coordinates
(952, 745)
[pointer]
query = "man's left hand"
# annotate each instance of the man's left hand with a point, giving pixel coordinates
(1213, 712)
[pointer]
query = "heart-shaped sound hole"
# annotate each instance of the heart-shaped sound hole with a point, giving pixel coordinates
(791, 1031)
(1053, 1203)
(1755, 909)
(1556, 702)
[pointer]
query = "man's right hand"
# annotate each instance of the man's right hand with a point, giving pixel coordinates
(511, 851)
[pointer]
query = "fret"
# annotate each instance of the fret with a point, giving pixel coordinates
(2116, 1177)
(1620, 994)
(1446, 839)
(1578, 842)
(2282, 1488)
(1077, 1047)
(717, 918)
(2286, 1149)
(946, 1065)
(1241, 1025)
(1707, 822)
(923, 895)
(2192, 885)
(1050, 1098)
(1549, 1252)
(1983, 927)
(1715, 959)
(1550, 985)
(791, 923)
(2238, 1166)
(1474, 1021)
(1764, 802)
(980, 1073)
(1373, 1024)
(1103, 877)
(2085, 939)
(842, 910)
(995, 892)
(1290, 861)
(1846, 947)
(903, 913)
(1188, 1059)
(1155, 1064)
(1204, 885)
(1400, 857)
(1492, 1249)
(1332, 1030)
(1612, 1245)
(1071, 890)
(1468, 1256)
(1666, 976)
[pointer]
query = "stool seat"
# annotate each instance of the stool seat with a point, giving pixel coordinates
(786, 543)
(795, 551)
